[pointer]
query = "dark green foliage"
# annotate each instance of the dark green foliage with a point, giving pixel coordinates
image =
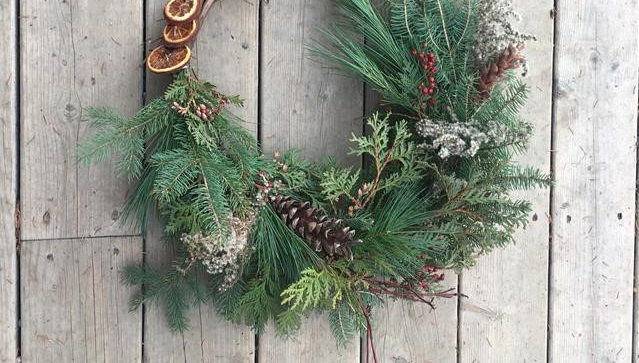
(195, 173)
(177, 291)
(414, 209)
(468, 197)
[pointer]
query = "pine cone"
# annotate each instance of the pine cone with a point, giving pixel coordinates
(491, 73)
(320, 232)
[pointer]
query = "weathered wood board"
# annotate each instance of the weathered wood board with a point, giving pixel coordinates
(231, 26)
(414, 332)
(74, 308)
(595, 128)
(313, 343)
(74, 54)
(8, 184)
(305, 106)
(504, 318)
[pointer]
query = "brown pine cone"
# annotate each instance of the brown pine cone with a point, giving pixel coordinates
(491, 73)
(320, 232)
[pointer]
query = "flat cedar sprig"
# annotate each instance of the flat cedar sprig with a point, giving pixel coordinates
(276, 238)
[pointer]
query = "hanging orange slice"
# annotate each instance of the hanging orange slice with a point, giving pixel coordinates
(182, 11)
(180, 34)
(168, 60)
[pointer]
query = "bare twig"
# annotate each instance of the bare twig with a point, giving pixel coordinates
(370, 345)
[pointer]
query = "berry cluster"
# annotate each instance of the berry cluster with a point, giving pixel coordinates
(267, 187)
(202, 112)
(430, 275)
(427, 62)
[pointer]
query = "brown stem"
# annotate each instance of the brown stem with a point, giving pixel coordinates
(406, 292)
(369, 333)
(378, 176)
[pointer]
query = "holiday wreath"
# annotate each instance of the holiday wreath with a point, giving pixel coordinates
(279, 237)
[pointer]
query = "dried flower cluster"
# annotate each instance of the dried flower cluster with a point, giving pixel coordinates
(457, 138)
(222, 254)
(495, 31)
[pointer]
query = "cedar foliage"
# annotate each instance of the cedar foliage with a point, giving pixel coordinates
(410, 208)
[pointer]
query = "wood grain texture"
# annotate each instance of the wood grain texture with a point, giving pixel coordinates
(313, 344)
(231, 26)
(8, 184)
(504, 319)
(412, 332)
(74, 308)
(593, 202)
(75, 54)
(210, 338)
(305, 106)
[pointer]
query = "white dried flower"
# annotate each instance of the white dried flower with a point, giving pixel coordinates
(495, 31)
(222, 253)
(463, 138)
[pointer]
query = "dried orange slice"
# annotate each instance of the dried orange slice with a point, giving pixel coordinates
(168, 60)
(180, 34)
(182, 11)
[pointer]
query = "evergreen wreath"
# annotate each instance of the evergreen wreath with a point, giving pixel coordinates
(279, 237)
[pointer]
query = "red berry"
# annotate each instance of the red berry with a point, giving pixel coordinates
(413, 52)
(431, 91)
(424, 91)
(431, 101)
(431, 56)
(422, 55)
(435, 70)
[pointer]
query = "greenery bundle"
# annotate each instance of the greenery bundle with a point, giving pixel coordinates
(279, 237)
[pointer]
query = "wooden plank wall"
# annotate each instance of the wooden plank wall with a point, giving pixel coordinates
(75, 54)
(591, 296)
(8, 184)
(564, 293)
(74, 308)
